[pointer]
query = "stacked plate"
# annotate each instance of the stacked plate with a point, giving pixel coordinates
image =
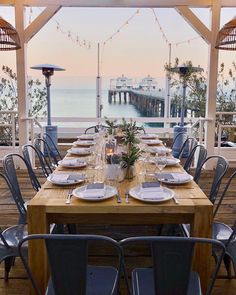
(95, 192)
(174, 177)
(66, 178)
(72, 163)
(86, 143)
(80, 151)
(151, 192)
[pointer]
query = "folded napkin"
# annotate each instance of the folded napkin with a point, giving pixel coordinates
(151, 191)
(84, 142)
(174, 177)
(87, 136)
(148, 136)
(73, 162)
(152, 141)
(94, 191)
(66, 178)
(171, 161)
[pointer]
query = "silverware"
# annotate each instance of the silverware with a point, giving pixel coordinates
(175, 200)
(69, 195)
(127, 196)
(118, 198)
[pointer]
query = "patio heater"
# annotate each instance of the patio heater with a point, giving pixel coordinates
(48, 71)
(184, 73)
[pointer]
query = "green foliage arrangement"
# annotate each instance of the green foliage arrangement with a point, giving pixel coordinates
(129, 158)
(9, 100)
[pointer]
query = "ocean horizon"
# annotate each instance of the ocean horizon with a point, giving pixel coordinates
(82, 103)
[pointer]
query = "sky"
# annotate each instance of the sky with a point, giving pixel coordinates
(137, 50)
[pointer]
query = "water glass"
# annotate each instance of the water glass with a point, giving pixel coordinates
(161, 162)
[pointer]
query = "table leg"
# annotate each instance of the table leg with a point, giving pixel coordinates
(202, 227)
(37, 224)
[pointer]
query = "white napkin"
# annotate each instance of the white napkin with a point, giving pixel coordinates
(60, 178)
(151, 190)
(149, 135)
(160, 150)
(66, 178)
(180, 176)
(87, 136)
(84, 142)
(94, 193)
(171, 161)
(174, 177)
(152, 141)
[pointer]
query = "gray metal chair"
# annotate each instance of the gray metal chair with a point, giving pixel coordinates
(9, 240)
(43, 146)
(44, 164)
(56, 154)
(202, 154)
(9, 167)
(171, 272)
(220, 170)
(187, 147)
(68, 260)
(95, 128)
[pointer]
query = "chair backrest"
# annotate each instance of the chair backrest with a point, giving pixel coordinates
(68, 260)
(55, 154)
(187, 147)
(172, 261)
(95, 128)
(44, 164)
(11, 174)
(202, 154)
(42, 145)
(221, 198)
(218, 174)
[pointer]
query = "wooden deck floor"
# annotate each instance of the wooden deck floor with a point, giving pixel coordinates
(18, 283)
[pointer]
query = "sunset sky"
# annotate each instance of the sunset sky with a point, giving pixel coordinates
(137, 50)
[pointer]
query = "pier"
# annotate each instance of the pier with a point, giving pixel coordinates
(149, 103)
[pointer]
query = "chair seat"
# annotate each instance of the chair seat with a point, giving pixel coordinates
(101, 280)
(221, 232)
(143, 283)
(14, 234)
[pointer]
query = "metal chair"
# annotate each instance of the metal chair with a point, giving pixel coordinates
(171, 271)
(9, 239)
(220, 170)
(188, 145)
(56, 154)
(222, 232)
(202, 154)
(42, 145)
(70, 272)
(44, 164)
(9, 168)
(95, 128)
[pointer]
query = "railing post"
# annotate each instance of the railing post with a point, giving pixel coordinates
(13, 128)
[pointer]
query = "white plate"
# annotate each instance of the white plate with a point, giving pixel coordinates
(84, 143)
(172, 161)
(152, 141)
(175, 181)
(110, 191)
(148, 136)
(166, 194)
(79, 151)
(68, 181)
(159, 150)
(72, 163)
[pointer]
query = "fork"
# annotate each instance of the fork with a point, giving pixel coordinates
(69, 195)
(118, 198)
(175, 200)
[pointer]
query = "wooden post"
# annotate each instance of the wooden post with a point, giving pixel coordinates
(212, 79)
(23, 106)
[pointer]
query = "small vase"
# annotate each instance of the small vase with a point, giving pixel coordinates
(130, 172)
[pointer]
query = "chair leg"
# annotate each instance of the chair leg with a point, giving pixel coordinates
(227, 263)
(9, 261)
(72, 229)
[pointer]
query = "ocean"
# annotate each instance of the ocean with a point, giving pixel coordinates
(82, 103)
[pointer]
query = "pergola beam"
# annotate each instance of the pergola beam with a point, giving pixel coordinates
(39, 22)
(195, 22)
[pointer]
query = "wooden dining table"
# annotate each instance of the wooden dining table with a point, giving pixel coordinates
(48, 207)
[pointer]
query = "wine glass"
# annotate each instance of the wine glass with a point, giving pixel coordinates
(161, 162)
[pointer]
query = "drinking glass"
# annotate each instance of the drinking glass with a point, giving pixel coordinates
(161, 162)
